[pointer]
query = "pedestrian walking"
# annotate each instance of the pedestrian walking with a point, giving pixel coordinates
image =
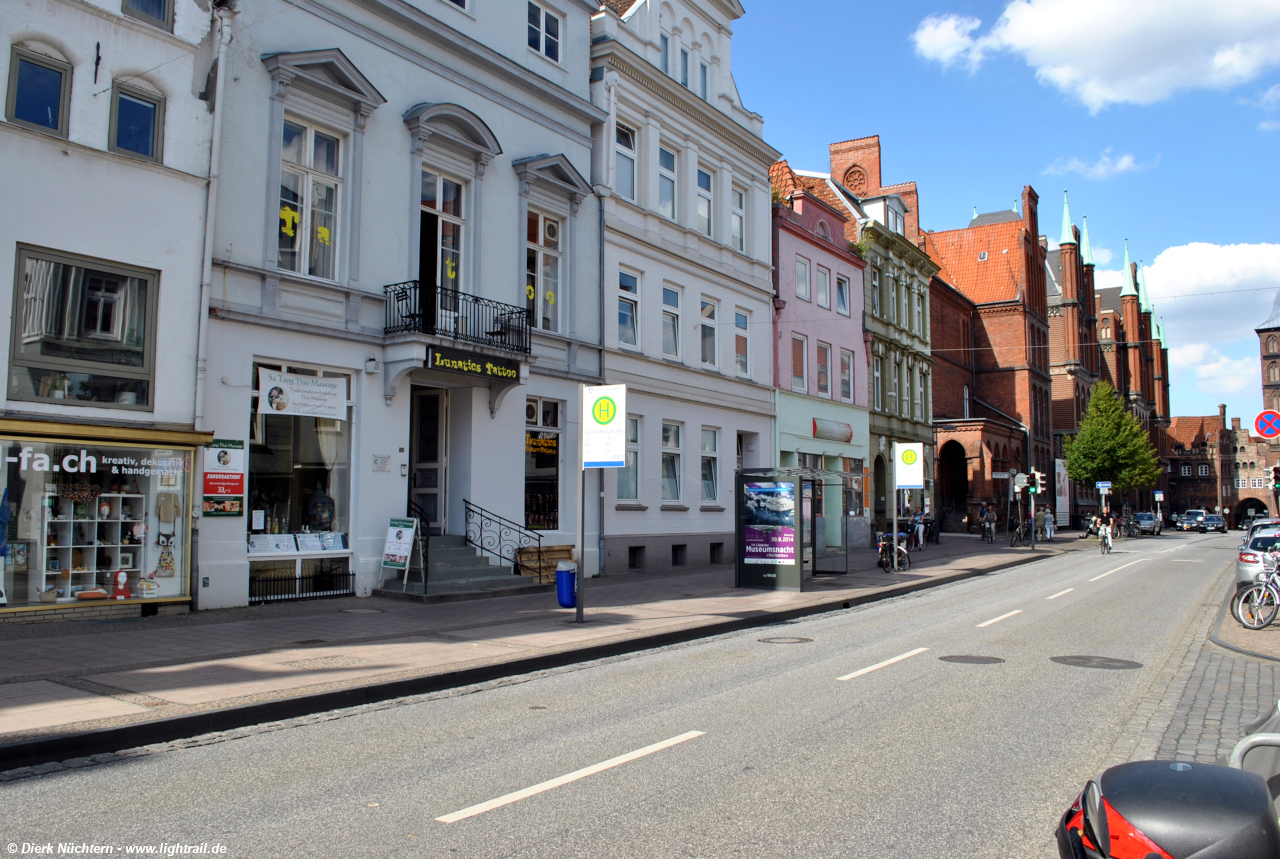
(1049, 524)
(1040, 524)
(918, 519)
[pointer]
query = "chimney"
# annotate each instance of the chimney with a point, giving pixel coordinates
(1222, 413)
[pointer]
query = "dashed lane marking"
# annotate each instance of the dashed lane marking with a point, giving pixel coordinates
(1000, 618)
(1060, 594)
(887, 662)
(1118, 569)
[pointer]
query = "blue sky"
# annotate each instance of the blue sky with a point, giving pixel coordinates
(1162, 119)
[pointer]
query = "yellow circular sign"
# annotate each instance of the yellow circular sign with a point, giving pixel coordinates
(909, 457)
(604, 410)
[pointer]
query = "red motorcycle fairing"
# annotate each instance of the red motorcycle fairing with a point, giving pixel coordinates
(1126, 842)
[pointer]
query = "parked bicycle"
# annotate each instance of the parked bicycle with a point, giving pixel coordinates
(1256, 606)
(885, 560)
(1020, 535)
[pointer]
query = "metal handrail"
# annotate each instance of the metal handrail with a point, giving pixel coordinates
(493, 535)
(416, 309)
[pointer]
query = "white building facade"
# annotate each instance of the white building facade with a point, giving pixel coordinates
(687, 285)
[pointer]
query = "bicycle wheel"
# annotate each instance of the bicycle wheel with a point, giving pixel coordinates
(883, 561)
(1015, 539)
(1235, 604)
(904, 560)
(1258, 606)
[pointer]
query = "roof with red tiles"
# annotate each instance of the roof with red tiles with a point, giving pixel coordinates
(983, 279)
(1194, 430)
(782, 178)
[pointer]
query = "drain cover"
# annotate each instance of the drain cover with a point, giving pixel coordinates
(785, 640)
(362, 611)
(327, 662)
(1095, 662)
(973, 660)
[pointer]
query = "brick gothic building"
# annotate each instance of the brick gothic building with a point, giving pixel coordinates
(989, 306)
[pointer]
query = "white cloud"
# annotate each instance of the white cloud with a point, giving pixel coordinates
(1104, 168)
(1102, 52)
(1101, 256)
(1212, 372)
(1269, 125)
(1270, 100)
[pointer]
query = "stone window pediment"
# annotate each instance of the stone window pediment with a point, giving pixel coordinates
(455, 127)
(555, 173)
(327, 73)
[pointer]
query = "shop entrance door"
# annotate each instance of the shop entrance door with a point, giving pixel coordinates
(427, 457)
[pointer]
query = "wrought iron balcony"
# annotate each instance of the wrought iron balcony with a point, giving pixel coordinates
(419, 309)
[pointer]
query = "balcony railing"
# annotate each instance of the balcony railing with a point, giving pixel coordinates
(416, 309)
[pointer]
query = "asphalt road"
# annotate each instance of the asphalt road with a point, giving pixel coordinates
(919, 758)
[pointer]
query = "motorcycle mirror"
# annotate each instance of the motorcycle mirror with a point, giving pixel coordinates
(1095, 819)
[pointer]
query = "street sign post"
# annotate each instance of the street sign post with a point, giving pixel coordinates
(1103, 484)
(908, 473)
(602, 443)
(999, 475)
(1267, 423)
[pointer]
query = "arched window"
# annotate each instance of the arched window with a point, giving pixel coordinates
(823, 232)
(1253, 465)
(966, 401)
(1271, 344)
(1273, 373)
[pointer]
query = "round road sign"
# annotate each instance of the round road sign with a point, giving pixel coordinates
(1267, 423)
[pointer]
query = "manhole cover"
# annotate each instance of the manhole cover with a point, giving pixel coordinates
(785, 640)
(327, 662)
(973, 660)
(362, 611)
(312, 641)
(1095, 662)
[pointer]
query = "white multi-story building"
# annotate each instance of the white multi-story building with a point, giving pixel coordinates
(687, 278)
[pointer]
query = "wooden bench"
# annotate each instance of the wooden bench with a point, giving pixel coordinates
(544, 571)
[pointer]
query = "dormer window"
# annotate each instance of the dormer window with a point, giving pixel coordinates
(982, 256)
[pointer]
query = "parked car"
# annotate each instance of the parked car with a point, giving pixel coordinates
(1249, 559)
(1148, 523)
(1190, 520)
(1258, 526)
(1213, 522)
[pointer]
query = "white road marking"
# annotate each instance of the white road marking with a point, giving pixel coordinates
(565, 779)
(1183, 561)
(1174, 549)
(1060, 594)
(879, 665)
(1118, 569)
(1000, 618)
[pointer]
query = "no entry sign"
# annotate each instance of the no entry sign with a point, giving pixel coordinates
(1267, 423)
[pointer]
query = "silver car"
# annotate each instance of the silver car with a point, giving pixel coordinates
(1249, 559)
(1148, 523)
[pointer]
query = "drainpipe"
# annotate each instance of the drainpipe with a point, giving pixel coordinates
(224, 14)
(602, 192)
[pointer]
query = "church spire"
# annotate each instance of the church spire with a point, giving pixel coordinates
(1144, 301)
(1127, 289)
(1086, 251)
(1068, 235)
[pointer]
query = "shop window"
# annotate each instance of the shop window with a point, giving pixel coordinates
(542, 271)
(94, 522)
(309, 181)
(629, 474)
(82, 332)
(628, 309)
(671, 462)
(741, 344)
(542, 438)
(441, 225)
(853, 497)
(544, 32)
(137, 123)
(625, 162)
(299, 459)
(710, 464)
(39, 94)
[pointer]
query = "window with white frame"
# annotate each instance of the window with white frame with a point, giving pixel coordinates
(741, 358)
(904, 312)
(842, 295)
(441, 229)
(802, 278)
(670, 461)
(878, 383)
(664, 56)
(670, 322)
(710, 464)
(704, 202)
(309, 183)
(702, 80)
(1256, 483)
(875, 292)
(666, 183)
(544, 32)
(628, 309)
(893, 388)
(893, 299)
(918, 408)
(629, 474)
(1204, 471)
(822, 285)
(738, 220)
(824, 370)
(799, 353)
(846, 376)
(39, 92)
(1186, 471)
(625, 162)
(920, 315)
(708, 333)
(542, 271)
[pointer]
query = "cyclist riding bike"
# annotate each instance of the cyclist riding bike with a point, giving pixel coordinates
(1104, 533)
(987, 518)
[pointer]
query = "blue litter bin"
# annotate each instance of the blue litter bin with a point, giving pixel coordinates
(566, 584)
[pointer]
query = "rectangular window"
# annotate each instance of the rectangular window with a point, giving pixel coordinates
(920, 315)
(740, 355)
(893, 300)
(875, 292)
(846, 376)
(670, 322)
(738, 221)
(629, 474)
(1186, 471)
(39, 94)
(842, 296)
(157, 12)
(309, 180)
(625, 162)
(1255, 483)
(83, 331)
(802, 278)
(670, 462)
(710, 465)
(799, 349)
(542, 439)
(667, 183)
(904, 388)
(918, 386)
(893, 390)
(542, 271)
(442, 222)
(823, 287)
(664, 59)
(704, 202)
(628, 316)
(824, 370)
(544, 32)
(708, 333)
(137, 123)
(1204, 471)
(879, 386)
(684, 68)
(702, 80)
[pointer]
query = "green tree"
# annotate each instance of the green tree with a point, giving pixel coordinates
(1111, 445)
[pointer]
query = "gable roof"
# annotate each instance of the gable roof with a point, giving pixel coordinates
(1195, 429)
(983, 279)
(995, 218)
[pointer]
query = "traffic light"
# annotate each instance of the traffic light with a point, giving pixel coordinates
(1275, 476)
(1033, 482)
